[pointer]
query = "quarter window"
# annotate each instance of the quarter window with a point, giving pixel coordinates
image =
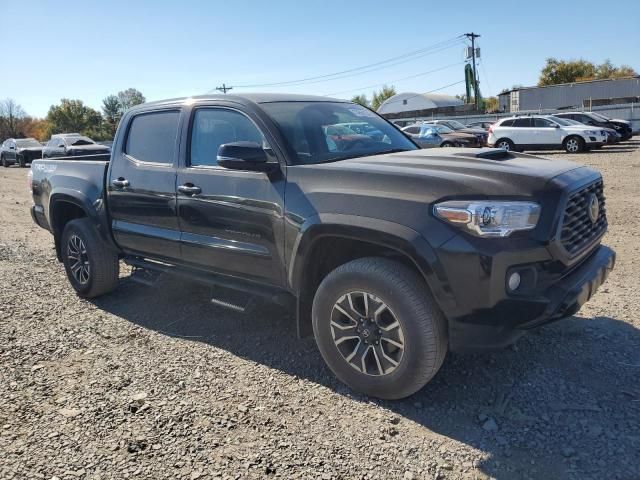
(213, 127)
(152, 137)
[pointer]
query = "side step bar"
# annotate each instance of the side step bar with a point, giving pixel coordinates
(150, 270)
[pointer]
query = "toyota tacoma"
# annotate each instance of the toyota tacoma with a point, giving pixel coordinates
(392, 255)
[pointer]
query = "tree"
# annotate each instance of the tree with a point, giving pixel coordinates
(379, 97)
(491, 104)
(74, 116)
(112, 113)
(37, 128)
(567, 71)
(11, 118)
(361, 100)
(130, 98)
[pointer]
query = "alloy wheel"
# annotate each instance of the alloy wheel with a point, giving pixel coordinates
(367, 333)
(504, 146)
(78, 260)
(572, 145)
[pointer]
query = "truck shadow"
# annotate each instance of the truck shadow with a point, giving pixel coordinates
(563, 402)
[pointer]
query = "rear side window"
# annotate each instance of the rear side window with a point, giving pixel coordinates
(152, 137)
(522, 122)
(507, 123)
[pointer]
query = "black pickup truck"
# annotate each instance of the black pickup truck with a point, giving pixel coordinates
(393, 255)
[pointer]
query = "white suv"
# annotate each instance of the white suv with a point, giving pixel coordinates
(544, 132)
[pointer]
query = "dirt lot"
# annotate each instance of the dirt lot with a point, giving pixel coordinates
(158, 383)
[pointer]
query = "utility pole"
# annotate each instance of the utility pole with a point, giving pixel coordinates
(473, 37)
(224, 88)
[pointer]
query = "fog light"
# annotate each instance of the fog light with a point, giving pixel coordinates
(514, 281)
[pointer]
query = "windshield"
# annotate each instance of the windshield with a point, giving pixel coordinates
(27, 142)
(80, 141)
(309, 127)
(455, 124)
(564, 121)
(602, 118)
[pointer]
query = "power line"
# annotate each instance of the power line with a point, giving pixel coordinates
(382, 64)
(396, 80)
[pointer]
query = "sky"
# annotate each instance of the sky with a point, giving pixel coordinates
(88, 49)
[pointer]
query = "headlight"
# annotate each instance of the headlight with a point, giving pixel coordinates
(591, 132)
(486, 218)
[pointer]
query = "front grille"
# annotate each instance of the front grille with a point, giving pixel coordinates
(578, 231)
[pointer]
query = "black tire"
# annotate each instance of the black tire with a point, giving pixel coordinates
(422, 325)
(5, 164)
(505, 144)
(103, 264)
(21, 162)
(573, 144)
(446, 145)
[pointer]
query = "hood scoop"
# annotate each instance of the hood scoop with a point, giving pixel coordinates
(490, 154)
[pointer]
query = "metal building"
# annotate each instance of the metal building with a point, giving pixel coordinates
(570, 95)
(410, 101)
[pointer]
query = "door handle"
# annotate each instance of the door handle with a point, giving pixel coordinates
(189, 189)
(120, 183)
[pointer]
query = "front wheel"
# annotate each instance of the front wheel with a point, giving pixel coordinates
(22, 163)
(574, 145)
(446, 145)
(378, 328)
(5, 164)
(92, 268)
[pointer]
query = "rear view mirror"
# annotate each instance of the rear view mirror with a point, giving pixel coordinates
(244, 156)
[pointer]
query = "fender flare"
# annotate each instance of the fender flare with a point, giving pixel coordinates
(400, 238)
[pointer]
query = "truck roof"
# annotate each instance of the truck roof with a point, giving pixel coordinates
(251, 97)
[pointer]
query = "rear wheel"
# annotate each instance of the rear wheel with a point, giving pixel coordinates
(378, 328)
(5, 164)
(92, 268)
(505, 144)
(574, 144)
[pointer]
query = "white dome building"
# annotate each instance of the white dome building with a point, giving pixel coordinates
(409, 101)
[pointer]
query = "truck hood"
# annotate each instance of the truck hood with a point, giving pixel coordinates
(30, 149)
(429, 175)
(619, 120)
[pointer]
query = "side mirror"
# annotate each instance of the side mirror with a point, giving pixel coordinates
(244, 156)
(555, 125)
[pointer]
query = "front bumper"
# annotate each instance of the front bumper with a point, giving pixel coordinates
(488, 316)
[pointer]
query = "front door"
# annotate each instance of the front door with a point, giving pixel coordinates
(142, 186)
(231, 220)
(547, 133)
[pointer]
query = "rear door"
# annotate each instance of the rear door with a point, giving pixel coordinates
(232, 223)
(141, 185)
(522, 132)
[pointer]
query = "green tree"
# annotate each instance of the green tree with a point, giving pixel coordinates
(112, 113)
(361, 100)
(379, 97)
(130, 98)
(567, 71)
(491, 104)
(75, 116)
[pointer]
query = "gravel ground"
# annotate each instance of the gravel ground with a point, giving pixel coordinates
(158, 383)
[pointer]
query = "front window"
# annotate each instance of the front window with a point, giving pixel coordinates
(316, 132)
(27, 143)
(441, 128)
(565, 122)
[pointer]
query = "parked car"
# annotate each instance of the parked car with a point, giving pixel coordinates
(106, 143)
(364, 128)
(612, 135)
(544, 132)
(623, 127)
(428, 135)
(483, 125)
(392, 255)
(455, 125)
(20, 150)
(73, 144)
(341, 138)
